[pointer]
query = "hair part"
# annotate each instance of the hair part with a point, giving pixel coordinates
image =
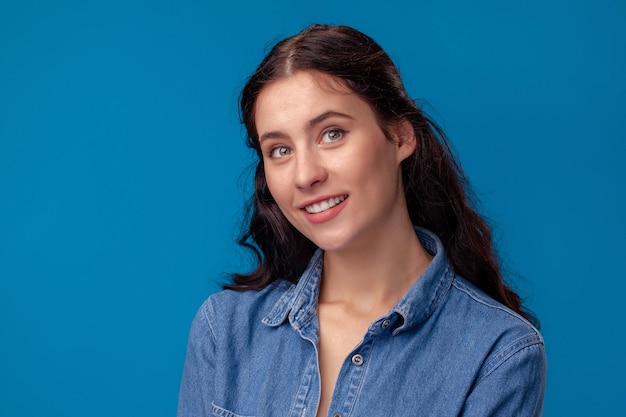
(438, 193)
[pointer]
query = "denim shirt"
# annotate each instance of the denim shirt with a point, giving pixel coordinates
(445, 349)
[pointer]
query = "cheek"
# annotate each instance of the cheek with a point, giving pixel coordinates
(277, 186)
(377, 162)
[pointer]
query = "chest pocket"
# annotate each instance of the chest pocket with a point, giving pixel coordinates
(222, 412)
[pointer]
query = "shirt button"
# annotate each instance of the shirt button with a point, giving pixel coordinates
(337, 415)
(386, 323)
(357, 360)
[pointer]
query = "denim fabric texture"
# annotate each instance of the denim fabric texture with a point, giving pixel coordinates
(445, 349)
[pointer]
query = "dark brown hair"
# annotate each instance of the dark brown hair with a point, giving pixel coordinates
(437, 191)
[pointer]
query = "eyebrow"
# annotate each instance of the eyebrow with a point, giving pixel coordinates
(310, 125)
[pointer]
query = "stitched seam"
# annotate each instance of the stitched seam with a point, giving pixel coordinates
(362, 382)
(222, 412)
(286, 303)
(506, 356)
(208, 316)
(440, 291)
(302, 319)
(461, 287)
(279, 311)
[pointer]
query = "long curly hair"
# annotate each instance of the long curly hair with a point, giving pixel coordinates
(438, 194)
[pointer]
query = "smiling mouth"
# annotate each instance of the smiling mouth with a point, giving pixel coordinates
(324, 205)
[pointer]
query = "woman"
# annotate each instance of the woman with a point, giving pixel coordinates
(377, 290)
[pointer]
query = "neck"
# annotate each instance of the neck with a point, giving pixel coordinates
(375, 275)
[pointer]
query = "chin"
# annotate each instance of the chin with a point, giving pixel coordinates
(330, 243)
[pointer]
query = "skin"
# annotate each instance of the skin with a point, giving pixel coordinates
(321, 141)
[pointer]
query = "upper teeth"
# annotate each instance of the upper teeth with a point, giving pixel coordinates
(324, 205)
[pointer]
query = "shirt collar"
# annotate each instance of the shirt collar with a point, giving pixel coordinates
(430, 289)
(299, 302)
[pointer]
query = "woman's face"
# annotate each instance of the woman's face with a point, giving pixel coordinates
(328, 165)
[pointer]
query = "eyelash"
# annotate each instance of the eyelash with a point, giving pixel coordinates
(277, 148)
(334, 129)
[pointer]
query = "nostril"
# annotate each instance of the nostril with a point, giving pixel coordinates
(310, 176)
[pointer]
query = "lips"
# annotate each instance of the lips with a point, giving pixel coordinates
(324, 205)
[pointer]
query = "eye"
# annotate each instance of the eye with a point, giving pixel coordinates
(279, 151)
(332, 135)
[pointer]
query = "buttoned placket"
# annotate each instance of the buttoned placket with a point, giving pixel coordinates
(351, 377)
(354, 370)
(307, 396)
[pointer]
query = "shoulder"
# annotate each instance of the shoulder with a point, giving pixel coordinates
(234, 309)
(509, 375)
(504, 333)
(481, 305)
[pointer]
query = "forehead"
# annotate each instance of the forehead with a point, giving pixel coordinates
(313, 78)
(302, 95)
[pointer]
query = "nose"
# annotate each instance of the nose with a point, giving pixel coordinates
(310, 169)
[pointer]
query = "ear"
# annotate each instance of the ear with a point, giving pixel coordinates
(404, 134)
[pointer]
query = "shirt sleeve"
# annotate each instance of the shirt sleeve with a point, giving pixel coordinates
(196, 388)
(512, 383)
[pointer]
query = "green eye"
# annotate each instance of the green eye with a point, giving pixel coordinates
(279, 152)
(332, 135)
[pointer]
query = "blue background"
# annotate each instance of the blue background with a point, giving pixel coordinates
(121, 185)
